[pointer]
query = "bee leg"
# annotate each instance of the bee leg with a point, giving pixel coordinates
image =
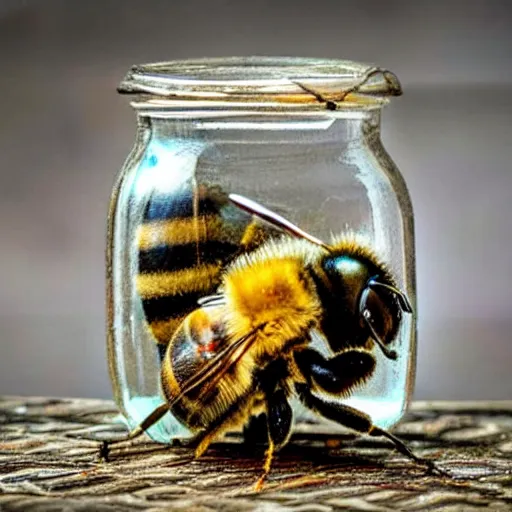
(203, 440)
(337, 374)
(148, 422)
(358, 421)
(279, 426)
(255, 432)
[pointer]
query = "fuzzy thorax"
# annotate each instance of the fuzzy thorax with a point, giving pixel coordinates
(275, 295)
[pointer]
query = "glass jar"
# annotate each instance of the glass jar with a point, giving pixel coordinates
(300, 137)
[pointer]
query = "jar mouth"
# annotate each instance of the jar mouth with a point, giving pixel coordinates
(279, 83)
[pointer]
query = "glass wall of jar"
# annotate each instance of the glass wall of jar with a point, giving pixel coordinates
(301, 137)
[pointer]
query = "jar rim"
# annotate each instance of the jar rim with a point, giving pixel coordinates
(278, 82)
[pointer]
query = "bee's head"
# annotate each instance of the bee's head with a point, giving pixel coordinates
(369, 304)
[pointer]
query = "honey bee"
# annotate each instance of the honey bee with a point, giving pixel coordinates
(247, 349)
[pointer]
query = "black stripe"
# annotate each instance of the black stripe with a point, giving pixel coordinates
(170, 306)
(178, 257)
(180, 205)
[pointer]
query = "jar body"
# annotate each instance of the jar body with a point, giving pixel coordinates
(327, 173)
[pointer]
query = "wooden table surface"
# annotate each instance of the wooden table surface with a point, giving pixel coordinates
(49, 460)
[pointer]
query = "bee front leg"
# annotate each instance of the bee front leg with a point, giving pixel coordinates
(338, 374)
(358, 421)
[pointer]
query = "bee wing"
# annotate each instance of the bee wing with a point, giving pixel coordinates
(242, 345)
(217, 367)
(275, 219)
(212, 300)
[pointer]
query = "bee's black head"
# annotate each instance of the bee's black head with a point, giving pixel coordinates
(361, 302)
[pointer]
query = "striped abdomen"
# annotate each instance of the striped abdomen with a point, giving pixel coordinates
(184, 243)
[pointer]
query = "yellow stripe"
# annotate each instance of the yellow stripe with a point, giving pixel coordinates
(164, 329)
(159, 284)
(179, 231)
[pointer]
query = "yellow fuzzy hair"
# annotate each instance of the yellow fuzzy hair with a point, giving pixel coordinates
(271, 288)
(199, 278)
(181, 231)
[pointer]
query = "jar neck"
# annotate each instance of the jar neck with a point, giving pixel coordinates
(338, 127)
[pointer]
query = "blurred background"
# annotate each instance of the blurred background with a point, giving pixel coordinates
(64, 133)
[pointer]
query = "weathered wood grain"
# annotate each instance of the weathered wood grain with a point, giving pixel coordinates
(49, 461)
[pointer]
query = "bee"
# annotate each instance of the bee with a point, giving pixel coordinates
(247, 349)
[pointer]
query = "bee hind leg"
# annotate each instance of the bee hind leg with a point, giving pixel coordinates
(148, 422)
(255, 431)
(358, 421)
(279, 427)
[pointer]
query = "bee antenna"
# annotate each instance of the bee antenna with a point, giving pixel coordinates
(273, 218)
(402, 298)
